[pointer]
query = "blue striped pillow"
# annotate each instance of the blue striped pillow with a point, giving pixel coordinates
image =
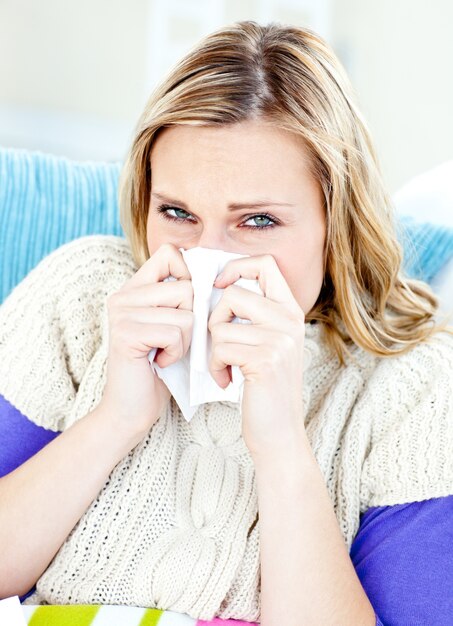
(46, 201)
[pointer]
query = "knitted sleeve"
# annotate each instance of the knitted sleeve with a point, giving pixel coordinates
(51, 329)
(410, 398)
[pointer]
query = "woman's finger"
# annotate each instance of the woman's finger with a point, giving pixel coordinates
(166, 261)
(265, 270)
(239, 302)
(175, 293)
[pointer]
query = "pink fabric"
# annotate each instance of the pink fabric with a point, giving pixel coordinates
(225, 622)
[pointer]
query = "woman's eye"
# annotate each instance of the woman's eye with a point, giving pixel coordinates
(259, 224)
(164, 211)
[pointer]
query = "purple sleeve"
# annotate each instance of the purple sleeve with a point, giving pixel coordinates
(19, 437)
(403, 556)
(19, 440)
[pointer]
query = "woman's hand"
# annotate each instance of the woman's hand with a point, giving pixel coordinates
(269, 352)
(143, 314)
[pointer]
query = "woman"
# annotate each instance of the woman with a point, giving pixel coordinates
(275, 512)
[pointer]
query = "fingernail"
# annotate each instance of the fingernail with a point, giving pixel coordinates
(219, 278)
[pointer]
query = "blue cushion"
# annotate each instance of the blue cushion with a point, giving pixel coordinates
(427, 246)
(46, 201)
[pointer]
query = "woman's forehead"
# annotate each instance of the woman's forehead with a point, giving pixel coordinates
(262, 159)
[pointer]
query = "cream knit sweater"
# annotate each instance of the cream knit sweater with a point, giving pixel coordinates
(173, 525)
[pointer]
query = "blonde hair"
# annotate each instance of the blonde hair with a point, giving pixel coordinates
(289, 77)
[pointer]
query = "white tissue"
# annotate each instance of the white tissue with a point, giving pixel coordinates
(189, 379)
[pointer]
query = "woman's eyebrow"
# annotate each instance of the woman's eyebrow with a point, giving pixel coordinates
(232, 207)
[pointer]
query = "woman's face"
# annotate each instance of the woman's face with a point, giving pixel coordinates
(200, 172)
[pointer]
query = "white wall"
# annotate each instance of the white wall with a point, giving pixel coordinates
(71, 74)
(400, 56)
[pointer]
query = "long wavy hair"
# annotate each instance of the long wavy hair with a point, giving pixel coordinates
(288, 76)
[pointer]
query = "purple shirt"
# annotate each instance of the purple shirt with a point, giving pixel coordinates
(403, 554)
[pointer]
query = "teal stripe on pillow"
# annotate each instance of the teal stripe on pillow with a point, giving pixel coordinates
(427, 247)
(47, 200)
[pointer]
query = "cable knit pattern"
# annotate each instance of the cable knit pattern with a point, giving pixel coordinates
(175, 525)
